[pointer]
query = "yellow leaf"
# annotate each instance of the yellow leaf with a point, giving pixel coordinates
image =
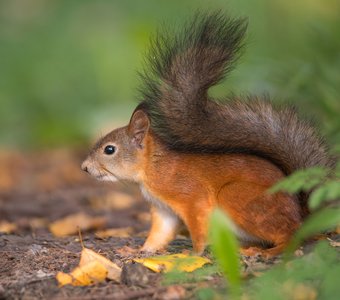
(115, 232)
(180, 262)
(92, 268)
(88, 256)
(113, 200)
(7, 227)
(87, 274)
(36, 223)
(71, 223)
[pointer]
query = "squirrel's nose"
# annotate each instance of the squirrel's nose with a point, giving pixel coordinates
(84, 166)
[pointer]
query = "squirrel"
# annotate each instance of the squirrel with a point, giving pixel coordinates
(190, 153)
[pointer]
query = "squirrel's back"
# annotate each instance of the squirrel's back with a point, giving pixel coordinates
(181, 70)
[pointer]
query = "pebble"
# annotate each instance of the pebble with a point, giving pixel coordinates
(134, 274)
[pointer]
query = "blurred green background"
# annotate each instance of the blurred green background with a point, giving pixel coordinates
(68, 67)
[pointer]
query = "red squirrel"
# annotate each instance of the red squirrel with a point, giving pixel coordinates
(190, 153)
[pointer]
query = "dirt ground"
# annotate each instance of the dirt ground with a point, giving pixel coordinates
(39, 188)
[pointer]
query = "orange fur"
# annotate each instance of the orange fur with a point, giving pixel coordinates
(193, 185)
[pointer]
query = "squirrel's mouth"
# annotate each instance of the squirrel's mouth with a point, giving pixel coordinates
(106, 177)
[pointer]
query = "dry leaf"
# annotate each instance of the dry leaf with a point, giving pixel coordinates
(12, 164)
(92, 268)
(72, 223)
(180, 262)
(36, 223)
(7, 227)
(115, 232)
(88, 255)
(114, 200)
(88, 274)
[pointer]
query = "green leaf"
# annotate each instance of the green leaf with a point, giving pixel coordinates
(303, 180)
(206, 294)
(225, 248)
(319, 221)
(316, 271)
(328, 191)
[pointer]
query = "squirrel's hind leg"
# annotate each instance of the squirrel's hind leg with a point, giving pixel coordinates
(266, 253)
(272, 218)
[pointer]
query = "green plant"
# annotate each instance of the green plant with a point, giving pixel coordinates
(224, 246)
(312, 276)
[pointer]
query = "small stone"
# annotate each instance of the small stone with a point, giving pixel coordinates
(134, 274)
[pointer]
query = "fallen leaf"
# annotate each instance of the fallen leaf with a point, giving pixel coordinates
(7, 227)
(180, 262)
(12, 164)
(113, 200)
(115, 232)
(72, 223)
(92, 268)
(88, 256)
(88, 274)
(36, 223)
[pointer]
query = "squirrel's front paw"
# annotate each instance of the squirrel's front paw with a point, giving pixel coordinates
(147, 251)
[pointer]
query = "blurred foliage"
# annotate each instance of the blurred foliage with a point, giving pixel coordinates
(68, 67)
(322, 183)
(313, 276)
(225, 248)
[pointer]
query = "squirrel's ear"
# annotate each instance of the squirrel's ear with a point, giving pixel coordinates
(138, 127)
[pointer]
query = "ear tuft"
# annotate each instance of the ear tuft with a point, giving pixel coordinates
(138, 127)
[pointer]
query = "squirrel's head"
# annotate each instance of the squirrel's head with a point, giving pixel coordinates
(119, 154)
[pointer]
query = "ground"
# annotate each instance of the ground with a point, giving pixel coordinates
(37, 189)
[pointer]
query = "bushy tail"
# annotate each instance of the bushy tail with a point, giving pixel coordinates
(182, 67)
(175, 94)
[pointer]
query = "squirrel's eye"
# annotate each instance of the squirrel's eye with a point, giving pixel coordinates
(109, 150)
